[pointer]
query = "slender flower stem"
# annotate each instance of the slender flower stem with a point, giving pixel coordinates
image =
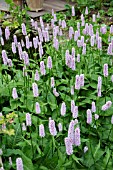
(109, 132)
(19, 117)
(31, 143)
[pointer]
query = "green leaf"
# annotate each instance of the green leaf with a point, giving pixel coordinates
(68, 164)
(28, 165)
(7, 109)
(107, 156)
(43, 168)
(96, 149)
(51, 100)
(76, 159)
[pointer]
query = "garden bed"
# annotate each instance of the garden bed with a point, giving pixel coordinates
(56, 94)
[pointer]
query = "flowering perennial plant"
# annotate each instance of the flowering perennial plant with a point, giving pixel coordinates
(58, 79)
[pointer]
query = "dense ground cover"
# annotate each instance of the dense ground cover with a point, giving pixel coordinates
(56, 94)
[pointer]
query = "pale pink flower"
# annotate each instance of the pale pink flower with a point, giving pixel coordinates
(78, 58)
(77, 136)
(52, 127)
(13, 48)
(55, 92)
(86, 11)
(93, 108)
(7, 33)
(37, 108)
(49, 62)
(105, 70)
(23, 127)
(23, 29)
(14, 93)
(10, 161)
(52, 82)
(75, 112)
(94, 18)
(19, 164)
(72, 106)
(106, 106)
(2, 41)
(41, 130)
(28, 119)
(63, 109)
(27, 42)
(85, 149)
(81, 80)
(37, 76)
(72, 90)
(69, 147)
(42, 68)
(96, 116)
(73, 11)
(35, 90)
(71, 134)
(25, 58)
(77, 82)
(60, 128)
(89, 116)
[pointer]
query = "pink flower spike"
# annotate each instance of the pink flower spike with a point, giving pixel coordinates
(35, 90)
(73, 11)
(19, 164)
(77, 136)
(14, 93)
(81, 80)
(41, 130)
(27, 42)
(94, 18)
(69, 147)
(13, 48)
(23, 127)
(105, 70)
(37, 76)
(86, 11)
(71, 131)
(72, 106)
(52, 82)
(78, 58)
(37, 106)
(77, 82)
(28, 119)
(42, 68)
(60, 128)
(55, 92)
(49, 63)
(93, 108)
(72, 90)
(7, 33)
(2, 41)
(75, 112)
(63, 109)
(52, 127)
(23, 29)
(106, 106)
(89, 116)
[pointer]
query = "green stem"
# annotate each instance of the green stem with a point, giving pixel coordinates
(19, 118)
(31, 143)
